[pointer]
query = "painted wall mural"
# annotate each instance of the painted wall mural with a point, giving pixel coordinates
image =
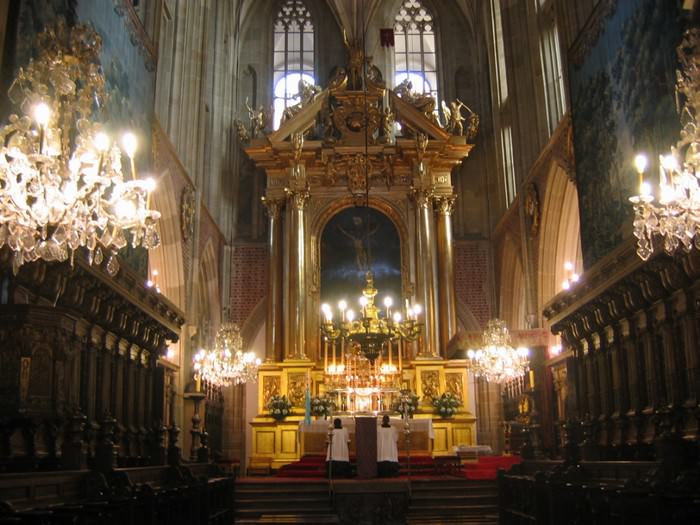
(356, 240)
(622, 77)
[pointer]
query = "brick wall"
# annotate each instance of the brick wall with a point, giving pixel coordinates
(473, 278)
(248, 279)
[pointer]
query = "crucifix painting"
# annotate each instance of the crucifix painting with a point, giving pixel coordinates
(354, 241)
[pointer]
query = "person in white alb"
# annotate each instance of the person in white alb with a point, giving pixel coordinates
(387, 449)
(337, 456)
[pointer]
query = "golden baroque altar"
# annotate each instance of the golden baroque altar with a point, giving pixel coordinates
(358, 143)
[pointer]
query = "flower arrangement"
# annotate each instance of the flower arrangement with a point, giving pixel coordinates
(279, 407)
(406, 404)
(446, 405)
(321, 406)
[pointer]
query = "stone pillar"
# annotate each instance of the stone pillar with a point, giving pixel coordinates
(426, 276)
(446, 288)
(274, 339)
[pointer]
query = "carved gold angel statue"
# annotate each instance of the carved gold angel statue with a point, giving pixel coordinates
(454, 118)
(257, 119)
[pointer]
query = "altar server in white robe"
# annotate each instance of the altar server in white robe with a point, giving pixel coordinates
(387, 449)
(337, 455)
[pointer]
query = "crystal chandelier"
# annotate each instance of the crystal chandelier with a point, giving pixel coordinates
(226, 363)
(497, 361)
(61, 181)
(675, 217)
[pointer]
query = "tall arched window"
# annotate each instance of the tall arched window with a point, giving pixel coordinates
(414, 51)
(293, 55)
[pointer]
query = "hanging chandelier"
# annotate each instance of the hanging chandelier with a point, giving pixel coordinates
(61, 181)
(370, 330)
(226, 363)
(497, 361)
(675, 215)
(363, 354)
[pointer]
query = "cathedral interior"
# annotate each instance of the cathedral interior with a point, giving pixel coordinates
(194, 195)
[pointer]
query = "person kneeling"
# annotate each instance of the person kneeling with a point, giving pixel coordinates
(337, 456)
(387, 449)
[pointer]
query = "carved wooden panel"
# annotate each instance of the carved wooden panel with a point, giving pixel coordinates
(296, 387)
(271, 387)
(430, 384)
(455, 385)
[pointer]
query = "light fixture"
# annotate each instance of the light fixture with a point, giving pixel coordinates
(371, 331)
(675, 215)
(61, 182)
(497, 361)
(226, 362)
(571, 276)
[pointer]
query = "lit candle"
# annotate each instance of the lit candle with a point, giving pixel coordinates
(390, 351)
(400, 352)
(325, 354)
(532, 379)
(640, 162)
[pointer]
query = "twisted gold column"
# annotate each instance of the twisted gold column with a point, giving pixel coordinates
(446, 289)
(274, 340)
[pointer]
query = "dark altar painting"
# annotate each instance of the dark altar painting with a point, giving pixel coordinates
(354, 240)
(622, 76)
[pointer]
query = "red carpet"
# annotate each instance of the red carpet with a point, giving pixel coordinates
(487, 466)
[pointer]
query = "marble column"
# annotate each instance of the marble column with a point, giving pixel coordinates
(296, 320)
(274, 341)
(446, 289)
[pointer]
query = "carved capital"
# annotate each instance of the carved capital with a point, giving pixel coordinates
(444, 204)
(273, 206)
(298, 198)
(421, 196)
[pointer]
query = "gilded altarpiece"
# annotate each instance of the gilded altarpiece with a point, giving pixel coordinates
(340, 149)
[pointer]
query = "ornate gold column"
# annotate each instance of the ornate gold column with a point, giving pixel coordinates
(274, 340)
(298, 195)
(424, 270)
(446, 289)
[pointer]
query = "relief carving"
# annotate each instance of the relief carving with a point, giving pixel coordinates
(430, 384)
(454, 385)
(271, 387)
(296, 388)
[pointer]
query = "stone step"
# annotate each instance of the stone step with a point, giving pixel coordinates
(448, 500)
(451, 520)
(457, 510)
(283, 502)
(257, 512)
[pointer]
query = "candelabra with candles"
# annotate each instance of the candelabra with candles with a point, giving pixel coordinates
(61, 182)
(363, 356)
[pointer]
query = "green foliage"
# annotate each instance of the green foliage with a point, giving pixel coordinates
(279, 407)
(446, 405)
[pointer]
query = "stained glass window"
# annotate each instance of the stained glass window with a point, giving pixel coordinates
(414, 51)
(293, 55)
